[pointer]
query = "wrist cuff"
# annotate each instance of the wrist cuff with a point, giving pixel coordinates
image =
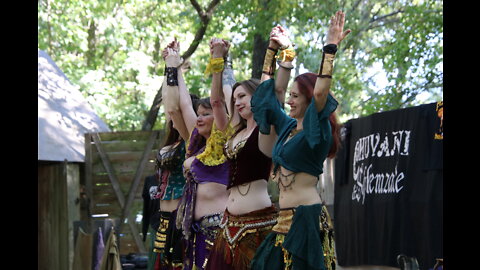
(330, 49)
(269, 62)
(172, 76)
(326, 66)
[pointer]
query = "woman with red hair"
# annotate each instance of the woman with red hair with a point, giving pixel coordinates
(299, 144)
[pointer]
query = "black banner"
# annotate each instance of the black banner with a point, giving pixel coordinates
(389, 188)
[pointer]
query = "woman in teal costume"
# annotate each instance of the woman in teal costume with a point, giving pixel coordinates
(303, 235)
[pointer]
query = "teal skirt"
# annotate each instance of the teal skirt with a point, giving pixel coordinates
(307, 245)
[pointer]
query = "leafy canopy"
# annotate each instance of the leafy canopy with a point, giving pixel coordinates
(112, 49)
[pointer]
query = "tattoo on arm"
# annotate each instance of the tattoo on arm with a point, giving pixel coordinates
(228, 78)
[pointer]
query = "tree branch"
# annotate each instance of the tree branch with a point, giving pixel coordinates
(197, 7)
(375, 18)
(205, 19)
(386, 22)
(211, 7)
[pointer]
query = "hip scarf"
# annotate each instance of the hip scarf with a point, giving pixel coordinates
(198, 246)
(187, 205)
(168, 243)
(239, 237)
(303, 238)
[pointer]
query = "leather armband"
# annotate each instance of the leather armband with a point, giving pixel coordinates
(172, 76)
(326, 66)
(269, 62)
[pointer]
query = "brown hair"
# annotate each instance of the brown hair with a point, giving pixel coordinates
(205, 102)
(172, 134)
(250, 86)
(306, 84)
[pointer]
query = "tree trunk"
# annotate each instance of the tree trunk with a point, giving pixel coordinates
(153, 112)
(261, 40)
(260, 45)
(91, 45)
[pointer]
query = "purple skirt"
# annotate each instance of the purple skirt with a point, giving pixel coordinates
(199, 245)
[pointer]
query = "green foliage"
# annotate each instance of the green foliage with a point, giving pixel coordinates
(111, 49)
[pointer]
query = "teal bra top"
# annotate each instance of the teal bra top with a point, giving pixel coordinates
(307, 150)
(170, 172)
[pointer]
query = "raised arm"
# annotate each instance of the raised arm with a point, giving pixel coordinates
(228, 81)
(279, 39)
(335, 35)
(175, 94)
(269, 66)
(170, 83)
(171, 98)
(188, 112)
(219, 49)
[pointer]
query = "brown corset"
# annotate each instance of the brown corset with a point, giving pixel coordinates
(247, 163)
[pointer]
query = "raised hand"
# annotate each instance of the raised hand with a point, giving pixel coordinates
(227, 47)
(279, 38)
(172, 58)
(218, 47)
(335, 32)
(175, 45)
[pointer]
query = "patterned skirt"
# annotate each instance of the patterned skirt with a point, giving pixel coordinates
(168, 243)
(239, 238)
(199, 245)
(302, 239)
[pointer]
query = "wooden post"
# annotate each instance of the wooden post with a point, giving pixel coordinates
(88, 180)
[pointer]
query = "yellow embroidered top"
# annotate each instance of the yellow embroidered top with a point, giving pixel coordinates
(213, 154)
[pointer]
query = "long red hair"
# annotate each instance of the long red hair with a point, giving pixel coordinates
(306, 84)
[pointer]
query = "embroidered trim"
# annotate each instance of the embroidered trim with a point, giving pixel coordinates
(244, 229)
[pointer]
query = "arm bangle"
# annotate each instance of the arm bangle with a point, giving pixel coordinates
(282, 65)
(272, 49)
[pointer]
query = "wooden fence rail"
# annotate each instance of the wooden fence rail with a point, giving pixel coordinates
(116, 163)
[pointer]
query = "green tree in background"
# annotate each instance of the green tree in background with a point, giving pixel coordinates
(111, 49)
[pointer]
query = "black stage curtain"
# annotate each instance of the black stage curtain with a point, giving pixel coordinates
(389, 188)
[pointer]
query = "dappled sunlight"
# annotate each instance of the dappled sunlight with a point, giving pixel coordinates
(63, 115)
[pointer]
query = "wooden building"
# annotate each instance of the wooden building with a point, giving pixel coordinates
(64, 117)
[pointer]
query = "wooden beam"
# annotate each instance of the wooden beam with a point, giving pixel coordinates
(89, 179)
(134, 186)
(125, 201)
(110, 171)
(138, 173)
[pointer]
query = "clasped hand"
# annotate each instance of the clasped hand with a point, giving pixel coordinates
(219, 47)
(279, 38)
(170, 54)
